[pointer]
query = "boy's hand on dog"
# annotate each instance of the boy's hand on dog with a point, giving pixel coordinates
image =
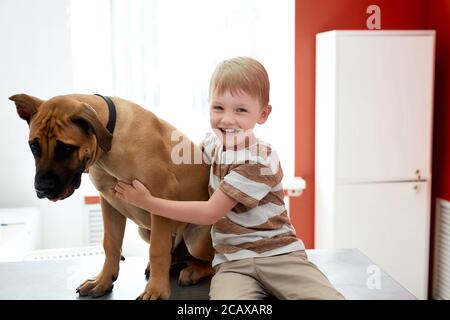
(135, 193)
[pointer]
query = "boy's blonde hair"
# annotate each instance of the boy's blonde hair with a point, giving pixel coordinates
(241, 74)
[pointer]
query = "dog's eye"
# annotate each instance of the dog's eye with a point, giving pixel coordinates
(64, 150)
(35, 148)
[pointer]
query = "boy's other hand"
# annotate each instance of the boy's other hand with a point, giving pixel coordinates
(135, 193)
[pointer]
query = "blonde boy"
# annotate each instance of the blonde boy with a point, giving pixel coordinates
(257, 253)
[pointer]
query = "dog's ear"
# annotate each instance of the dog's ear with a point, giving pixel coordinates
(26, 105)
(87, 118)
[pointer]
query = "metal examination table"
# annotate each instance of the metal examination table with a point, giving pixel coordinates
(349, 271)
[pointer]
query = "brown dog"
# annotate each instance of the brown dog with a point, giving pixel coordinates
(68, 136)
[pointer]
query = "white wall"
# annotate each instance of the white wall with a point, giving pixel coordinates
(35, 58)
(36, 43)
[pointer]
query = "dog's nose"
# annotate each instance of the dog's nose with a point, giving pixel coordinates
(44, 186)
(43, 192)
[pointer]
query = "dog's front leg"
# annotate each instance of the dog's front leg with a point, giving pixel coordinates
(114, 229)
(158, 286)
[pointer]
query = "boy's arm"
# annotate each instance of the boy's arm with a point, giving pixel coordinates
(197, 212)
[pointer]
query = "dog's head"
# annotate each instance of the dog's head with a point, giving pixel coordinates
(65, 137)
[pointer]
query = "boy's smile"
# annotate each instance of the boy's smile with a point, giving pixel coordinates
(233, 117)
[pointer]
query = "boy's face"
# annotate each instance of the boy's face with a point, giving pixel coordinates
(233, 118)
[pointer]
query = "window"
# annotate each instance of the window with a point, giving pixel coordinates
(161, 54)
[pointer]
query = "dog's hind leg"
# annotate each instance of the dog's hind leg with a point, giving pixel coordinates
(180, 257)
(195, 271)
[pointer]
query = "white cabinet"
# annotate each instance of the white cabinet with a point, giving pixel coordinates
(19, 232)
(384, 87)
(374, 98)
(389, 222)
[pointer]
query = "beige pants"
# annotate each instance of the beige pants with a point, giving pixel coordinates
(287, 276)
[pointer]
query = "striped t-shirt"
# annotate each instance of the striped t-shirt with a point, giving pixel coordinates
(259, 225)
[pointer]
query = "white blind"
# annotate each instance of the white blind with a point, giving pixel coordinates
(161, 54)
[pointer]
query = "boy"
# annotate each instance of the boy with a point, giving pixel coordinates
(256, 250)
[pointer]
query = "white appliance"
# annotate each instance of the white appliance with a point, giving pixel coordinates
(19, 232)
(374, 102)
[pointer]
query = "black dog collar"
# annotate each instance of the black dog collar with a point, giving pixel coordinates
(112, 113)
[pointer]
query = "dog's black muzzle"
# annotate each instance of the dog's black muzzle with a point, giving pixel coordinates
(47, 185)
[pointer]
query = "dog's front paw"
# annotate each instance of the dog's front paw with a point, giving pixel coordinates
(155, 290)
(96, 287)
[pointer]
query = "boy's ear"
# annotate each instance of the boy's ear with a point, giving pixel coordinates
(264, 114)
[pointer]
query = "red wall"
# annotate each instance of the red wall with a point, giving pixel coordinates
(439, 17)
(313, 16)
